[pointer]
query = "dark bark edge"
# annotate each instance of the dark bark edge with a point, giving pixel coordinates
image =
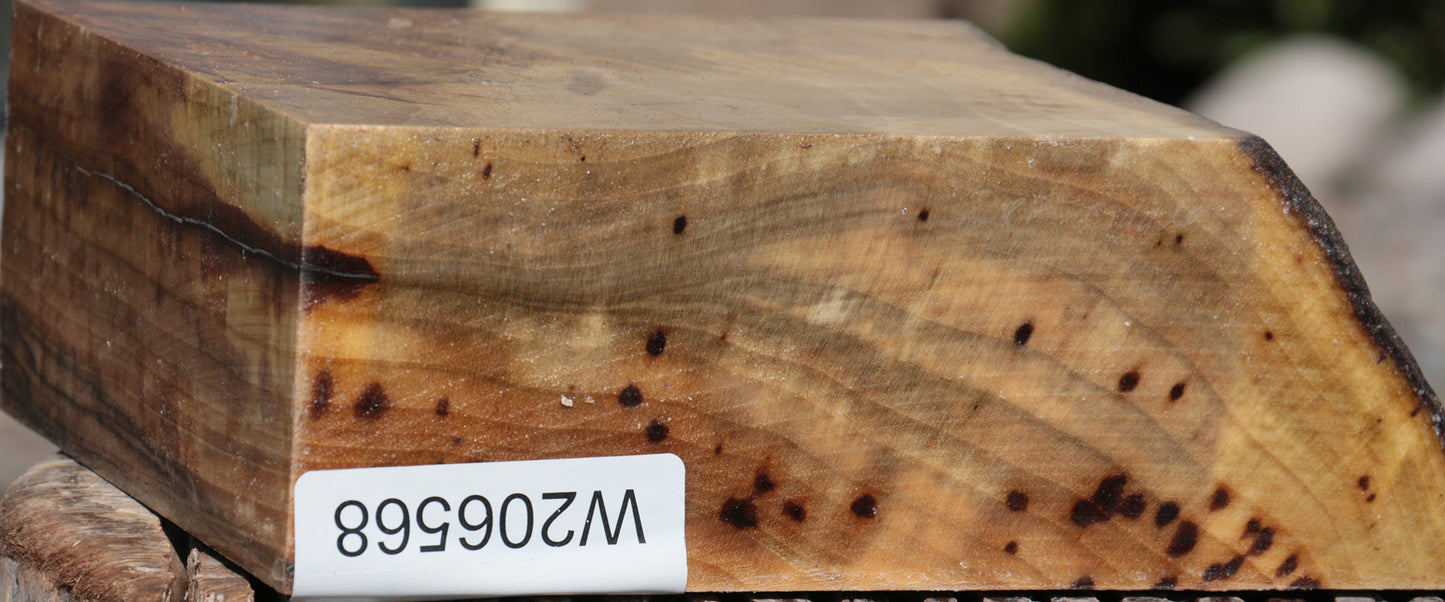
(1321, 228)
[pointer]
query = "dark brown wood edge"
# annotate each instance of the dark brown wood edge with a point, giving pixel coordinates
(1321, 228)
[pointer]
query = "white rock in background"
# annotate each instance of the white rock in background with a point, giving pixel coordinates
(1413, 167)
(1334, 111)
(1319, 101)
(1393, 223)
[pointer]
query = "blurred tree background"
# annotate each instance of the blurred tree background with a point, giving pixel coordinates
(1165, 50)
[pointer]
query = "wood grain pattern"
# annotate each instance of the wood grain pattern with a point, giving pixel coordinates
(916, 313)
(210, 580)
(66, 534)
(171, 319)
(23, 583)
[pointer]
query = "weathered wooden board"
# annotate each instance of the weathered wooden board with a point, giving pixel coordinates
(66, 534)
(210, 580)
(916, 313)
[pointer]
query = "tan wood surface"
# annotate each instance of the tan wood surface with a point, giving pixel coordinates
(916, 313)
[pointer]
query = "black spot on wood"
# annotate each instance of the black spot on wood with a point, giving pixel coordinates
(1021, 336)
(372, 403)
(582, 159)
(866, 506)
(1133, 507)
(1262, 541)
(320, 394)
(762, 483)
(1186, 536)
(1018, 501)
(717, 451)
(1167, 583)
(1305, 582)
(1252, 527)
(456, 440)
(630, 397)
(1218, 571)
(1085, 582)
(795, 511)
(1128, 381)
(1109, 492)
(1167, 512)
(1011, 547)
(656, 431)
(1176, 392)
(923, 215)
(1287, 567)
(679, 224)
(1179, 239)
(1220, 499)
(476, 147)
(740, 514)
(1104, 503)
(1370, 498)
(487, 171)
(1364, 483)
(1269, 335)
(1086, 513)
(444, 407)
(657, 343)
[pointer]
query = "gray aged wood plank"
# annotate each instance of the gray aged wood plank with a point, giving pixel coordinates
(66, 534)
(209, 580)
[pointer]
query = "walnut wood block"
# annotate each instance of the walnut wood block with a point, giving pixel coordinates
(916, 313)
(66, 534)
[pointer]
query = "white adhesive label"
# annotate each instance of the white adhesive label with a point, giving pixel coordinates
(573, 526)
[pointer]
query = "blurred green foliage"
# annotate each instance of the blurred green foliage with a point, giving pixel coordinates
(1164, 50)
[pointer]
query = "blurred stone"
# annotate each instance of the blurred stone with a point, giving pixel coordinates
(19, 449)
(1392, 219)
(1334, 113)
(1319, 102)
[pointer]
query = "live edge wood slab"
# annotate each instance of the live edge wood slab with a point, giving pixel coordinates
(917, 314)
